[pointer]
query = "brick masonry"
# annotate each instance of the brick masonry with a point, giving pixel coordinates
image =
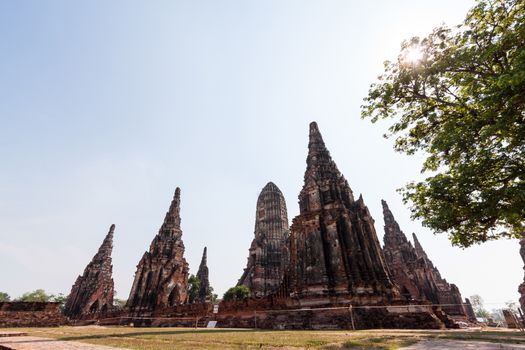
(25, 314)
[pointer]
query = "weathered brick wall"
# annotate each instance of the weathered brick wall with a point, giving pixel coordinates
(176, 316)
(24, 314)
(278, 313)
(332, 318)
(270, 313)
(252, 304)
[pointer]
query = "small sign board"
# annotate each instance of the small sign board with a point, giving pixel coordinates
(211, 324)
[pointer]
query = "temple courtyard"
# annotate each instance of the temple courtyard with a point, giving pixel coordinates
(99, 338)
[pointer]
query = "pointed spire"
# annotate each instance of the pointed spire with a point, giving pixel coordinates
(204, 259)
(105, 249)
(203, 276)
(109, 236)
(419, 249)
(317, 151)
(319, 162)
(316, 144)
(393, 233)
(387, 214)
(93, 290)
(173, 214)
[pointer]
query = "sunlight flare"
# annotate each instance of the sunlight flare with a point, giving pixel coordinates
(412, 55)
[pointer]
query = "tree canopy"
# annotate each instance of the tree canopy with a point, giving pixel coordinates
(194, 285)
(458, 95)
(38, 295)
(4, 297)
(237, 293)
(479, 306)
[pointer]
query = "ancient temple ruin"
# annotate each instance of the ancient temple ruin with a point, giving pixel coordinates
(203, 276)
(337, 277)
(326, 271)
(415, 273)
(445, 294)
(161, 279)
(335, 252)
(268, 255)
(400, 257)
(93, 290)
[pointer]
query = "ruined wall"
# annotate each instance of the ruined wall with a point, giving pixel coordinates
(188, 315)
(30, 314)
(272, 313)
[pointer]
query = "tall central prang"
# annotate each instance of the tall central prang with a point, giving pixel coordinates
(335, 252)
(268, 258)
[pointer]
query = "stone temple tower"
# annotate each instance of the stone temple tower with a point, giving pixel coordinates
(161, 279)
(334, 249)
(401, 258)
(268, 255)
(203, 276)
(93, 290)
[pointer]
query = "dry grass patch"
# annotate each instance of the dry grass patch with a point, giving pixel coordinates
(215, 339)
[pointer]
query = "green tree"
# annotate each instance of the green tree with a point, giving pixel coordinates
(478, 306)
(237, 293)
(59, 298)
(212, 296)
(194, 285)
(119, 303)
(4, 297)
(38, 295)
(458, 95)
(497, 315)
(512, 305)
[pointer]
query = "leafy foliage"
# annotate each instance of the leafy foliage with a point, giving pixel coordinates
(4, 297)
(462, 102)
(59, 298)
(512, 306)
(38, 295)
(497, 316)
(212, 296)
(119, 303)
(478, 306)
(194, 285)
(237, 293)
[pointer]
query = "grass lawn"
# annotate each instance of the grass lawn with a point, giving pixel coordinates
(189, 338)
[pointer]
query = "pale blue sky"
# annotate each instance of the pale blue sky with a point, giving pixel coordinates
(107, 106)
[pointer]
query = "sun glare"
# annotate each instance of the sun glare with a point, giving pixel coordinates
(413, 55)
